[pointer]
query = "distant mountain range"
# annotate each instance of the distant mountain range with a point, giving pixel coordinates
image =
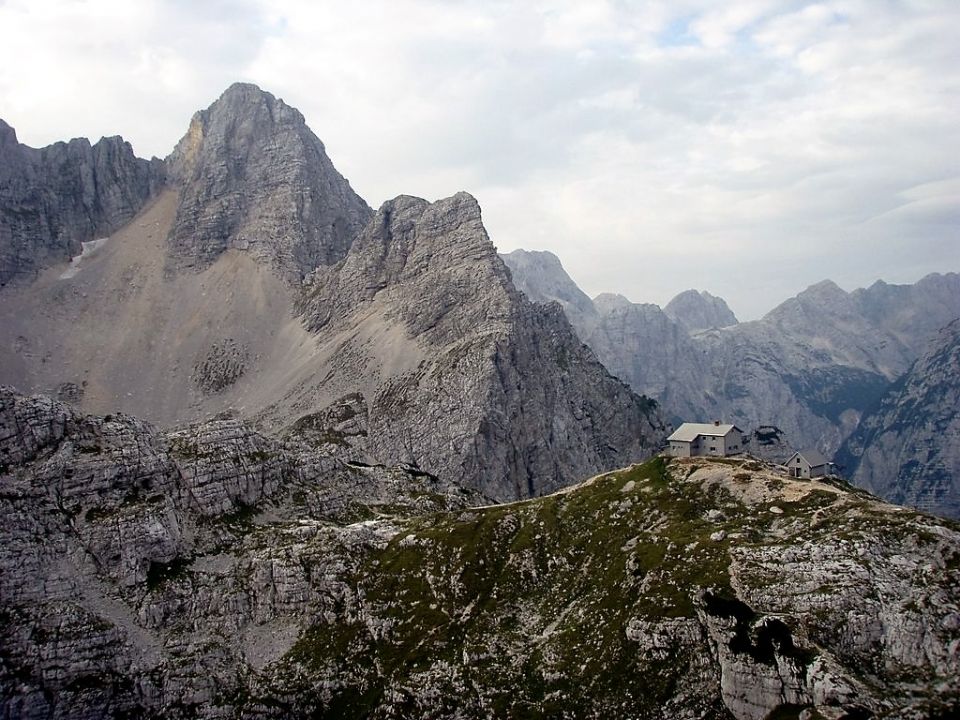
(812, 366)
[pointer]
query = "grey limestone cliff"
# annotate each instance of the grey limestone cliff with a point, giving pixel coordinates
(654, 354)
(253, 177)
(198, 307)
(53, 199)
(461, 373)
(908, 448)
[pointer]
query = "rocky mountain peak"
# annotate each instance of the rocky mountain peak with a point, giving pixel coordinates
(813, 306)
(8, 136)
(609, 302)
(241, 114)
(462, 374)
(542, 258)
(699, 310)
(824, 293)
(409, 240)
(912, 313)
(410, 230)
(253, 177)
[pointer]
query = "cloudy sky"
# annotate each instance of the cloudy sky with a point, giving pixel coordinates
(746, 147)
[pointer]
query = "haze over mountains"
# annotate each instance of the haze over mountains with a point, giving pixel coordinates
(812, 366)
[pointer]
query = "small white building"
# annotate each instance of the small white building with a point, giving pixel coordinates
(808, 464)
(693, 439)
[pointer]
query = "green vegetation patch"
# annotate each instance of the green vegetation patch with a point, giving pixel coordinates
(531, 601)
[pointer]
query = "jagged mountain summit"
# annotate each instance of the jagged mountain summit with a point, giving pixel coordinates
(253, 177)
(458, 366)
(56, 198)
(213, 572)
(255, 280)
(699, 310)
(908, 448)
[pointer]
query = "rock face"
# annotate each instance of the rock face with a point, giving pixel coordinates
(913, 314)
(253, 177)
(908, 448)
(212, 572)
(699, 310)
(769, 443)
(55, 198)
(461, 374)
(655, 354)
(99, 513)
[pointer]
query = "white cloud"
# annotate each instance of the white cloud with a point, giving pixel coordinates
(792, 140)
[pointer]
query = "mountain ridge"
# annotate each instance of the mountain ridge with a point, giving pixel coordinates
(238, 288)
(213, 571)
(907, 448)
(254, 177)
(699, 310)
(811, 367)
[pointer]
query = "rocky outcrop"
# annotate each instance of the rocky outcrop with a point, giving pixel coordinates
(55, 198)
(222, 366)
(908, 448)
(769, 443)
(253, 177)
(461, 374)
(210, 572)
(699, 310)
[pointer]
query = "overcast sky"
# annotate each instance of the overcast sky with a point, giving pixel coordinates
(745, 147)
